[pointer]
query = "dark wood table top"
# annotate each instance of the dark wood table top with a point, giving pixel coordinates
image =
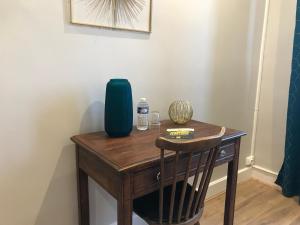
(139, 148)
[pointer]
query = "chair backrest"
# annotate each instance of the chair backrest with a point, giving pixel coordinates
(207, 148)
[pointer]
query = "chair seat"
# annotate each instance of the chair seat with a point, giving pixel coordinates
(147, 207)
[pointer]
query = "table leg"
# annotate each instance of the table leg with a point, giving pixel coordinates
(125, 202)
(125, 212)
(232, 175)
(83, 195)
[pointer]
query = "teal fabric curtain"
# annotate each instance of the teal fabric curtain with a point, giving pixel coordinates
(289, 175)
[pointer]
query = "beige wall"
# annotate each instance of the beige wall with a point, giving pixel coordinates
(269, 149)
(216, 67)
(52, 86)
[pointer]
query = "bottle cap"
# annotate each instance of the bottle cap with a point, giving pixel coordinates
(143, 99)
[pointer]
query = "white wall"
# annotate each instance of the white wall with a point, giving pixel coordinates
(215, 62)
(271, 131)
(53, 78)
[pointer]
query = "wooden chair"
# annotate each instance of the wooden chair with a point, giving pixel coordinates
(178, 202)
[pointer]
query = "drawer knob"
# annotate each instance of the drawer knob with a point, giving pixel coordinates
(223, 153)
(158, 176)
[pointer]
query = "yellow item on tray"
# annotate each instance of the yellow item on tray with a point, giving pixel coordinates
(181, 133)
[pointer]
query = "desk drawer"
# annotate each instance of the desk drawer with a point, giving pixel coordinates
(146, 181)
(225, 152)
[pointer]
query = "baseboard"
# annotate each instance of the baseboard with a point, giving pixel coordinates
(218, 186)
(264, 175)
(261, 174)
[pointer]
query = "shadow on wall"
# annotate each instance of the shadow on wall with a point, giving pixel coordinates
(61, 196)
(225, 65)
(59, 205)
(103, 207)
(93, 118)
(236, 55)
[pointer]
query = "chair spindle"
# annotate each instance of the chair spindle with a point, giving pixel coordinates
(183, 191)
(203, 180)
(210, 170)
(196, 178)
(173, 188)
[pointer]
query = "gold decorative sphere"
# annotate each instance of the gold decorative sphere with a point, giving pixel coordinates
(180, 111)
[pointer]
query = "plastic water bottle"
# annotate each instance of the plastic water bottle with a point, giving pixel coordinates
(142, 114)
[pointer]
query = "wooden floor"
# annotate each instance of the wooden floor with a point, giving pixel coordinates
(256, 204)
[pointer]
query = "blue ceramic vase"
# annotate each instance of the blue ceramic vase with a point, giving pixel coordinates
(118, 108)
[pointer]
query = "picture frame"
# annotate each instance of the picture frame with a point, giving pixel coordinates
(127, 15)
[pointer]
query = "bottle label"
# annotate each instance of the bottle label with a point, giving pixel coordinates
(143, 110)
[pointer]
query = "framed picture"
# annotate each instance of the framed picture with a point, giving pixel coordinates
(131, 15)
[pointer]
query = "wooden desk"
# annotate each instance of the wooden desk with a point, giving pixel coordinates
(127, 167)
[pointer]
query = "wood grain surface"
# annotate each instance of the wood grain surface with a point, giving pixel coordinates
(139, 148)
(256, 204)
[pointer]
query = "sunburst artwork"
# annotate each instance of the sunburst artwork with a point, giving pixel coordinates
(132, 15)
